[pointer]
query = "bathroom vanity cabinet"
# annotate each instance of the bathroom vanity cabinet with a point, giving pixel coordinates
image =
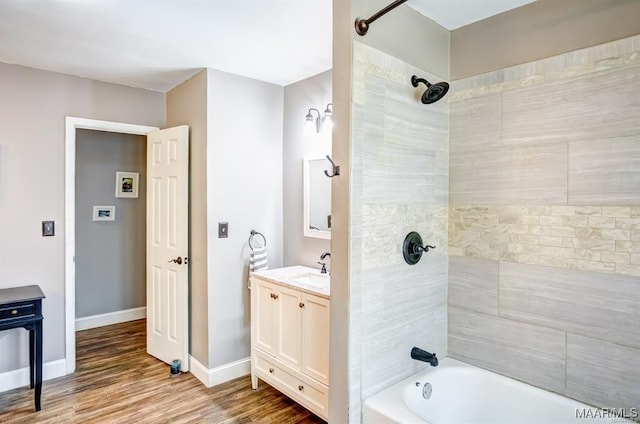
(290, 337)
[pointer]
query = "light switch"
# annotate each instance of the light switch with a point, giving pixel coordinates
(223, 229)
(48, 229)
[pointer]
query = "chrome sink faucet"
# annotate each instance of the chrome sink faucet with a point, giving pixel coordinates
(324, 265)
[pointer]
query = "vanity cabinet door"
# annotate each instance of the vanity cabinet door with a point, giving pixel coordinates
(315, 337)
(264, 316)
(288, 326)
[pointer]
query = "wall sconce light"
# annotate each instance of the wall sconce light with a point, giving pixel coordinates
(312, 123)
(318, 122)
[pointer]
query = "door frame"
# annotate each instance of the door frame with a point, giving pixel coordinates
(71, 125)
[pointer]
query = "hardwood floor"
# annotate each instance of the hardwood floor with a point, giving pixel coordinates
(117, 382)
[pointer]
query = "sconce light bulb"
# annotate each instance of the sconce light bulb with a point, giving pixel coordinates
(327, 123)
(327, 118)
(309, 125)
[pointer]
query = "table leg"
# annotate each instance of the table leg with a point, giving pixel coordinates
(38, 343)
(31, 357)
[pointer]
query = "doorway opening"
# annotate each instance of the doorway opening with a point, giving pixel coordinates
(110, 258)
(72, 125)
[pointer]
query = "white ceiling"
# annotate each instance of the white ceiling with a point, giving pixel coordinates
(157, 44)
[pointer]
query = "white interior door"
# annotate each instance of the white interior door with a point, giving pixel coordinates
(167, 244)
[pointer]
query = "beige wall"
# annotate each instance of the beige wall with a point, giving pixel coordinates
(545, 223)
(298, 98)
(187, 105)
(340, 195)
(406, 35)
(33, 106)
(537, 30)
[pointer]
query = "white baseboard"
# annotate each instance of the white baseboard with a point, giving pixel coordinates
(199, 371)
(95, 321)
(17, 378)
(221, 374)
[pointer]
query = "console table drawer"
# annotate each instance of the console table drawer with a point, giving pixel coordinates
(17, 311)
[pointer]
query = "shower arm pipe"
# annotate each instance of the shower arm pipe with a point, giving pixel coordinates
(362, 25)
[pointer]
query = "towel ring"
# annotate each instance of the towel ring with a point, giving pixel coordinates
(257, 233)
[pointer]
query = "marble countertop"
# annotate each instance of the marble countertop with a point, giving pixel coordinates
(299, 277)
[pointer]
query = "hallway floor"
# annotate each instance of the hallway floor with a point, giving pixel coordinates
(117, 382)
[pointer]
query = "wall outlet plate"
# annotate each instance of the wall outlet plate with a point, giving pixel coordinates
(48, 228)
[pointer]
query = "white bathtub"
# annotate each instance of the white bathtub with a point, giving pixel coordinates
(462, 393)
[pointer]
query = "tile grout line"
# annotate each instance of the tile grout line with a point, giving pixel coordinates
(498, 291)
(567, 180)
(565, 362)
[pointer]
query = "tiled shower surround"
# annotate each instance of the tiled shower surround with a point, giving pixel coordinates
(544, 223)
(593, 238)
(399, 184)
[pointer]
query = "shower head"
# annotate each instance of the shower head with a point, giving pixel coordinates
(433, 93)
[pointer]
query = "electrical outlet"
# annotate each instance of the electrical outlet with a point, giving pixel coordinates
(223, 229)
(48, 229)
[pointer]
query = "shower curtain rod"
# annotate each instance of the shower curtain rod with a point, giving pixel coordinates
(362, 25)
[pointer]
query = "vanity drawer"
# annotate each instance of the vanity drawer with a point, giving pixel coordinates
(309, 394)
(17, 311)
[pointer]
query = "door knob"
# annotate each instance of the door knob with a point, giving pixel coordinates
(177, 260)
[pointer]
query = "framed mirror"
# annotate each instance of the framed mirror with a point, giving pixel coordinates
(316, 197)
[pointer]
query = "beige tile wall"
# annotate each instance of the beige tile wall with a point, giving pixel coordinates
(544, 223)
(576, 333)
(595, 238)
(545, 162)
(399, 183)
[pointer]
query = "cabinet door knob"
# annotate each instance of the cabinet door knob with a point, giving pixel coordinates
(301, 387)
(301, 305)
(271, 370)
(14, 312)
(275, 296)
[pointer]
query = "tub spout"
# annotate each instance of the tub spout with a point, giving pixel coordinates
(424, 356)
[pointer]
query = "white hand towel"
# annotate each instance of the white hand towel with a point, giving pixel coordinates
(258, 261)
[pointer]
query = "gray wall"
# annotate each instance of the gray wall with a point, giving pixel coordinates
(537, 30)
(235, 177)
(298, 98)
(244, 188)
(545, 223)
(110, 256)
(33, 107)
(187, 105)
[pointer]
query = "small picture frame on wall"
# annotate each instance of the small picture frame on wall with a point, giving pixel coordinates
(104, 213)
(127, 184)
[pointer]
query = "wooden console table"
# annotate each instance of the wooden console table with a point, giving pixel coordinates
(21, 307)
